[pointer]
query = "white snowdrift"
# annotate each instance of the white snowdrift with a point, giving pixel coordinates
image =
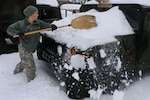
(44, 86)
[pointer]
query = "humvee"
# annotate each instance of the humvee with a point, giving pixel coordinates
(133, 51)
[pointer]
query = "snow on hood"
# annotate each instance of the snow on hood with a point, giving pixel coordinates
(110, 23)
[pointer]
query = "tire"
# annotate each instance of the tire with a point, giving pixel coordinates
(39, 53)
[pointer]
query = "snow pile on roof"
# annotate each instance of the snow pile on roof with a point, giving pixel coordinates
(142, 2)
(53, 3)
(70, 6)
(110, 23)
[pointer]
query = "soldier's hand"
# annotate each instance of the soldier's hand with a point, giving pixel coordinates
(54, 27)
(21, 34)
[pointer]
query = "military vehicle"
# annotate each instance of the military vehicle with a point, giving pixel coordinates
(133, 51)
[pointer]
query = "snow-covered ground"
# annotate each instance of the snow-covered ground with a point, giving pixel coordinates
(46, 87)
(16, 87)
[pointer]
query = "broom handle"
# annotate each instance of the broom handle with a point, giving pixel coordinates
(41, 30)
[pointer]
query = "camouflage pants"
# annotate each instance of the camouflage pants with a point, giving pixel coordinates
(27, 63)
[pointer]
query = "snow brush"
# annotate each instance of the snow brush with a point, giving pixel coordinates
(81, 22)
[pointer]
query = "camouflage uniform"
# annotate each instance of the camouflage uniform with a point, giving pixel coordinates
(27, 63)
(28, 44)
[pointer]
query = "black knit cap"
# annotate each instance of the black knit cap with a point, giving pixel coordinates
(29, 10)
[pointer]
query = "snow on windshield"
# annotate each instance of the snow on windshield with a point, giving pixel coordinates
(110, 23)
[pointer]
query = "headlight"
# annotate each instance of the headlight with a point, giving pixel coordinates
(59, 50)
(40, 39)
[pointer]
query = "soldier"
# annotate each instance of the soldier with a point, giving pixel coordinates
(28, 43)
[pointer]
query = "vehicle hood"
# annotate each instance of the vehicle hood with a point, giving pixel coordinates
(110, 24)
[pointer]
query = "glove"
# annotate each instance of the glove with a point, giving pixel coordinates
(54, 27)
(21, 34)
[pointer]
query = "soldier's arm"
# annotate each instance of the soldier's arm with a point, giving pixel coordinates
(13, 29)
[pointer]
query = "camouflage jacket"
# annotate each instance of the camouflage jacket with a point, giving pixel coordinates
(29, 42)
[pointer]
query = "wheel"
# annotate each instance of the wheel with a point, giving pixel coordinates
(39, 52)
